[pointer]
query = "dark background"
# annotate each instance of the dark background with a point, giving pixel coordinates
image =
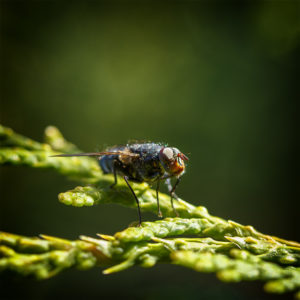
(215, 79)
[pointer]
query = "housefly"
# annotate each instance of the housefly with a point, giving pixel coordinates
(145, 162)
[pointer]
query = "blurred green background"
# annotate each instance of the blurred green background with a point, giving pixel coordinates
(215, 79)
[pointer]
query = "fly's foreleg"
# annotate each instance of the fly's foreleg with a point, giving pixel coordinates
(170, 187)
(157, 198)
(172, 192)
(136, 199)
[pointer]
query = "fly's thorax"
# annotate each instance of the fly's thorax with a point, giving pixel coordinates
(172, 160)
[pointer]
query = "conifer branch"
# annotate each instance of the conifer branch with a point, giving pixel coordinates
(233, 251)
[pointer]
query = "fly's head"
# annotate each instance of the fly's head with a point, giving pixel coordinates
(172, 160)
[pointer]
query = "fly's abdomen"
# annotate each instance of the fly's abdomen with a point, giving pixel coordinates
(107, 163)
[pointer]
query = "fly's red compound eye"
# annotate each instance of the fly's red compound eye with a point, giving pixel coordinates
(166, 157)
(166, 154)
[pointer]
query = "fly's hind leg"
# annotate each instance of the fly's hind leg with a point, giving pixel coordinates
(136, 199)
(172, 192)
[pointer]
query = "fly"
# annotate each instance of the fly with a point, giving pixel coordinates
(146, 162)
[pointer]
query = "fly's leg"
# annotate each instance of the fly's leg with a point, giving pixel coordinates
(173, 195)
(136, 199)
(157, 198)
(172, 192)
(170, 187)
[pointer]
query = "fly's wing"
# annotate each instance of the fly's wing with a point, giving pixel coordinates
(98, 154)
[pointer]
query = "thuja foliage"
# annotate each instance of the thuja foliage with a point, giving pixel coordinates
(195, 239)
